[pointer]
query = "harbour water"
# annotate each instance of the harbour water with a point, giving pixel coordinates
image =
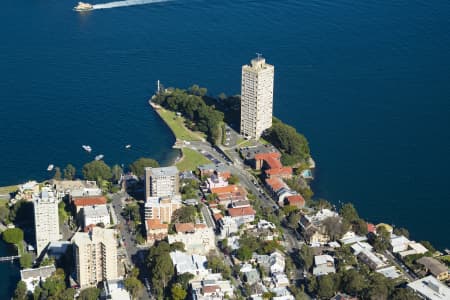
(366, 81)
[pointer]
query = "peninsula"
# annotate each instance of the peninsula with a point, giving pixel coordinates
(233, 218)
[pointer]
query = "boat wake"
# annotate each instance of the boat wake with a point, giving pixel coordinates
(115, 4)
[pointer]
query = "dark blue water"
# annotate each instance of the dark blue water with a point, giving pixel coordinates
(368, 82)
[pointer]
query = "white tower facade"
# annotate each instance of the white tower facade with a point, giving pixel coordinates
(256, 97)
(46, 219)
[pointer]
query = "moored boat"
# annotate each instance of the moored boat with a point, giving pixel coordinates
(50, 167)
(87, 148)
(99, 157)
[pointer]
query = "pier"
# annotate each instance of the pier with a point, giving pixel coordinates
(9, 258)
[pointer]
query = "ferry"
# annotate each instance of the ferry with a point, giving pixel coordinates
(82, 6)
(50, 167)
(99, 157)
(128, 146)
(87, 148)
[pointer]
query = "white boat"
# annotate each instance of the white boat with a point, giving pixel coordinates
(99, 157)
(50, 167)
(128, 146)
(87, 148)
(83, 6)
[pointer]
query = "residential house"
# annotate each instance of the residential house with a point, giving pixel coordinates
(155, 230)
(80, 202)
(197, 238)
(276, 262)
(215, 181)
(212, 169)
(295, 200)
(115, 290)
(434, 267)
(227, 226)
(251, 275)
(187, 263)
(430, 288)
(229, 194)
(76, 188)
(312, 226)
(323, 265)
(34, 277)
(242, 215)
(211, 287)
(96, 214)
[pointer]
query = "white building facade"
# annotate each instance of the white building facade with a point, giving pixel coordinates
(95, 256)
(96, 214)
(256, 97)
(46, 219)
(160, 182)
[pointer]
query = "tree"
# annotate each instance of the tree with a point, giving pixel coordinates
(178, 293)
(13, 235)
(428, 245)
(382, 240)
(403, 294)
(185, 214)
(68, 294)
(233, 179)
(334, 227)
(116, 171)
(139, 165)
(69, 172)
(326, 287)
(97, 170)
(91, 293)
(21, 291)
(177, 246)
(26, 261)
(244, 253)
(353, 282)
(57, 175)
(401, 231)
(4, 214)
(349, 213)
(307, 256)
(134, 286)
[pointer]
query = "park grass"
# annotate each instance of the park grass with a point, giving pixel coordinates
(191, 159)
(176, 124)
(5, 191)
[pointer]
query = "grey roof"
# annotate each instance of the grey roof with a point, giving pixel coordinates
(42, 272)
(164, 171)
(435, 266)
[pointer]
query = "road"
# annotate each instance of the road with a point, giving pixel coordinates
(134, 255)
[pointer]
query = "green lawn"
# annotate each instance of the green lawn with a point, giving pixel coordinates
(191, 160)
(176, 124)
(5, 190)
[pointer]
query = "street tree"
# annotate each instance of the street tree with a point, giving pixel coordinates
(116, 171)
(57, 175)
(134, 286)
(26, 261)
(21, 291)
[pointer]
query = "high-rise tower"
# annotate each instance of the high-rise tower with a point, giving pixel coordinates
(256, 97)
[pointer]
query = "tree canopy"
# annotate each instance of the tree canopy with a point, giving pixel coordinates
(191, 103)
(293, 145)
(91, 293)
(13, 235)
(139, 165)
(69, 172)
(97, 170)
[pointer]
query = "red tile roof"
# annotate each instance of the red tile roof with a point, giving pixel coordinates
(272, 159)
(200, 226)
(264, 156)
(371, 228)
(210, 289)
(275, 183)
(241, 211)
(296, 200)
(224, 190)
(184, 227)
(154, 224)
(284, 171)
(87, 201)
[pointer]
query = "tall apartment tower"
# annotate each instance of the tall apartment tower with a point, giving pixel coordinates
(46, 220)
(95, 255)
(161, 182)
(256, 97)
